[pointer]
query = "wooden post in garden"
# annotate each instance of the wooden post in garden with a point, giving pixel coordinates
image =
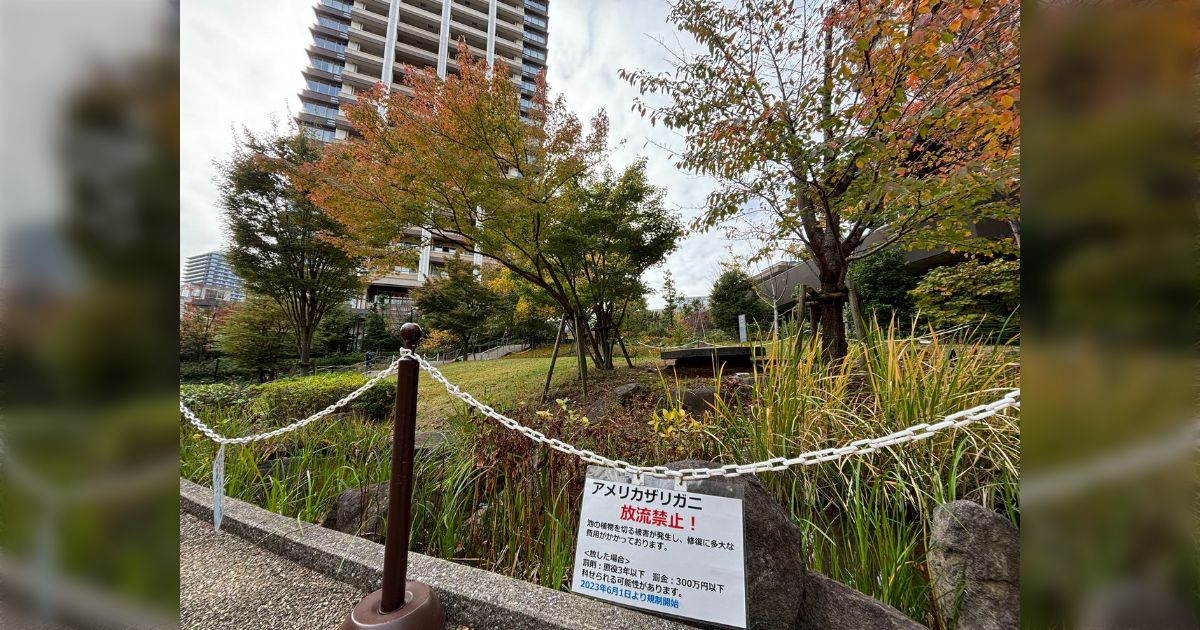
(855, 309)
(400, 604)
(562, 323)
(621, 342)
(579, 356)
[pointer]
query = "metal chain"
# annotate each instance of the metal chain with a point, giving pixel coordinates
(864, 446)
(915, 433)
(219, 439)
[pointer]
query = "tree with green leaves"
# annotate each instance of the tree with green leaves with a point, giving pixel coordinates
(257, 335)
(670, 299)
(825, 123)
(883, 282)
(985, 296)
(283, 245)
(377, 336)
(458, 159)
(336, 331)
(614, 230)
(459, 303)
(734, 294)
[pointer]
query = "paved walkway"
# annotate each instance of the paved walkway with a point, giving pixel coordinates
(226, 582)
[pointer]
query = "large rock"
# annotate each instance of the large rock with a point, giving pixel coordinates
(831, 605)
(697, 401)
(606, 406)
(602, 409)
(428, 443)
(625, 393)
(774, 552)
(360, 512)
(974, 564)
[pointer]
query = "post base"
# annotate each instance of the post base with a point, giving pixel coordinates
(421, 611)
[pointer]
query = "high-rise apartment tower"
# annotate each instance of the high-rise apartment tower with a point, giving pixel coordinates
(358, 44)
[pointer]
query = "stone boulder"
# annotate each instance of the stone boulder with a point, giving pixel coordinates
(614, 402)
(774, 552)
(974, 565)
(697, 401)
(602, 409)
(626, 393)
(831, 605)
(360, 512)
(428, 443)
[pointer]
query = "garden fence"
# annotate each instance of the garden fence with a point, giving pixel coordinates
(864, 446)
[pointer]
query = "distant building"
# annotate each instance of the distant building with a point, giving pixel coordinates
(780, 281)
(209, 281)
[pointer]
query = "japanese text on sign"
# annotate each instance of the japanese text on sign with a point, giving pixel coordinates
(667, 551)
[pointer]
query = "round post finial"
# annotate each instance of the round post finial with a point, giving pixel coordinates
(410, 335)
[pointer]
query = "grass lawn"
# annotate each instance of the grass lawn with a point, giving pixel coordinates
(501, 383)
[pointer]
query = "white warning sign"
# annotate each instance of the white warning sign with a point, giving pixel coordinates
(667, 551)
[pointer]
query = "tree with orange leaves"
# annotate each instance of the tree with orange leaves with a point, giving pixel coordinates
(826, 122)
(457, 158)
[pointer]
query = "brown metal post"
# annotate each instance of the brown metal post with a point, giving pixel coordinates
(400, 604)
(395, 553)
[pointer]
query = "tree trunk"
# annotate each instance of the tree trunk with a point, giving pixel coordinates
(304, 349)
(833, 328)
(600, 340)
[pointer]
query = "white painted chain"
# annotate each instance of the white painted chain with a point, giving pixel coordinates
(863, 446)
(219, 439)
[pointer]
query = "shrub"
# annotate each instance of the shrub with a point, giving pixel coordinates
(291, 398)
(983, 295)
(733, 294)
(214, 395)
(883, 282)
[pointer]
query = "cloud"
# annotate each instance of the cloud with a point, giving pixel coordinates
(241, 66)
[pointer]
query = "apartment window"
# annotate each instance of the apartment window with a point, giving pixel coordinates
(403, 269)
(444, 249)
(529, 69)
(323, 87)
(536, 6)
(534, 53)
(336, 25)
(337, 4)
(329, 44)
(526, 102)
(324, 135)
(528, 86)
(535, 37)
(326, 65)
(318, 109)
(535, 20)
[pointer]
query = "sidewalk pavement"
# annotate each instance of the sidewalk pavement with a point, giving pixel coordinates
(226, 582)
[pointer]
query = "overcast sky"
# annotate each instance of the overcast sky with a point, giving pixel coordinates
(241, 65)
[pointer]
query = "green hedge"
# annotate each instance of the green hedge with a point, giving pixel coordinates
(983, 295)
(291, 398)
(214, 395)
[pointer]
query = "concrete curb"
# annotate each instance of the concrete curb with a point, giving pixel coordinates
(472, 597)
